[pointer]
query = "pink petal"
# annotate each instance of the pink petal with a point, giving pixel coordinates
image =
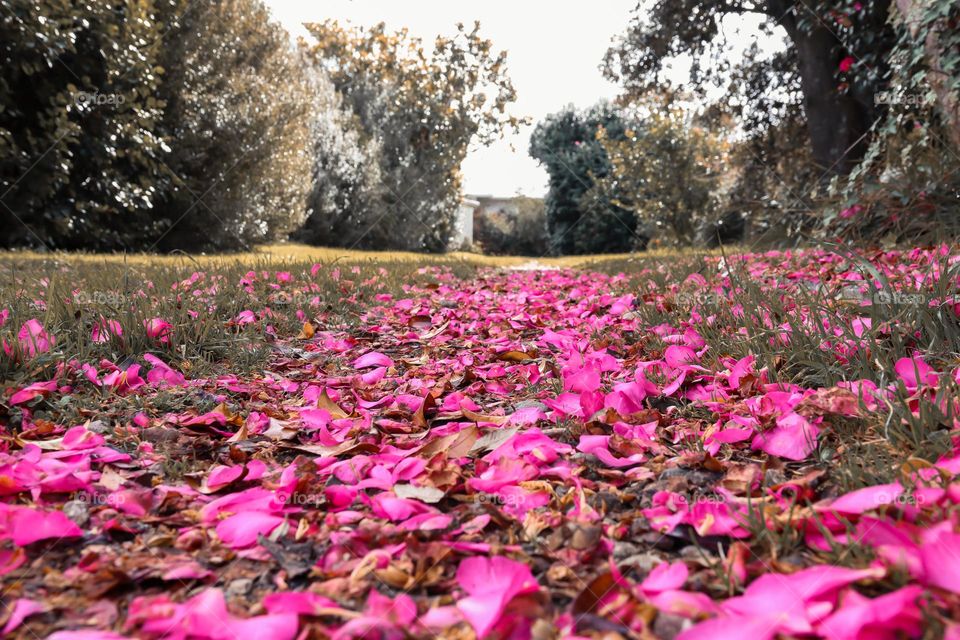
(491, 584)
(895, 614)
(582, 381)
(28, 526)
(33, 338)
(731, 628)
(85, 634)
(677, 356)
(664, 577)
(372, 359)
(299, 602)
(941, 561)
(187, 571)
(867, 499)
(242, 529)
(281, 626)
(22, 609)
(793, 438)
(33, 391)
(914, 372)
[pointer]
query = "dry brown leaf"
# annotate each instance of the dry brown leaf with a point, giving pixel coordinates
(307, 332)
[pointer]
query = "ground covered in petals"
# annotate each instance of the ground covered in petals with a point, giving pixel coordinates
(750, 446)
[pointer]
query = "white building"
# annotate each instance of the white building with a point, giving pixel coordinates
(463, 232)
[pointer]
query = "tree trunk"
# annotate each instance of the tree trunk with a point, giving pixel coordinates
(836, 121)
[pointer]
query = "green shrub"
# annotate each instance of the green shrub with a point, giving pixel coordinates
(566, 144)
(138, 125)
(81, 147)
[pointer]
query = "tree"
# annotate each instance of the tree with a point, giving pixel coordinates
(664, 171)
(419, 111)
(932, 27)
(907, 187)
(346, 182)
(239, 110)
(839, 51)
(152, 124)
(566, 144)
(81, 146)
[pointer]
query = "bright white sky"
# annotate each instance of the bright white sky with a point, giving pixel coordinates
(554, 52)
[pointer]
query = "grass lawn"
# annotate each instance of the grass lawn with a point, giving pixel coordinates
(294, 253)
(303, 442)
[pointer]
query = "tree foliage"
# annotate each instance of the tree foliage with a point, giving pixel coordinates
(875, 84)
(838, 53)
(566, 144)
(137, 125)
(908, 185)
(664, 170)
(416, 111)
(81, 146)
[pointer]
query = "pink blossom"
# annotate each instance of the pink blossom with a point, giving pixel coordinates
(105, 330)
(162, 373)
(124, 382)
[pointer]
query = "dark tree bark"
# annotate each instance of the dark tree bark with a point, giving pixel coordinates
(836, 121)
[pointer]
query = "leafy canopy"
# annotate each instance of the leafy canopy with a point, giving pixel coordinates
(417, 110)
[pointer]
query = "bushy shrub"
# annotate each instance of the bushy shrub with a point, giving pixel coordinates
(346, 173)
(566, 144)
(664, 171)
(154, 124)
(238, 115)
(522, 233)
(82, 150)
